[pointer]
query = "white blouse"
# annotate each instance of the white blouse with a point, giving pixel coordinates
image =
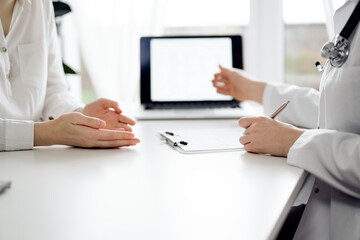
(32, 81)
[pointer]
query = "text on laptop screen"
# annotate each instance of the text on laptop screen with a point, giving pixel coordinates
(182, 69)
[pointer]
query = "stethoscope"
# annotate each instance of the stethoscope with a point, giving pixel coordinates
(338, 51)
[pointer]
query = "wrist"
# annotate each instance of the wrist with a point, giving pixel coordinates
(293, 138)
(42, 134)
(256, 91)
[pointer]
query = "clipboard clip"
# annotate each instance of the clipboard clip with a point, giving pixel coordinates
(175, 143)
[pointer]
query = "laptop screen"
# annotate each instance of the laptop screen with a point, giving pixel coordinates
(187, 65)
(180, 69)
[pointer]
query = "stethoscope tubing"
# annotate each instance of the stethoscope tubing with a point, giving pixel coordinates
(351, 23)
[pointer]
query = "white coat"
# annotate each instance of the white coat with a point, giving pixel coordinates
(331, 153)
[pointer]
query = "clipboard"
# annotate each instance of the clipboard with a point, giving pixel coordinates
(204, 140)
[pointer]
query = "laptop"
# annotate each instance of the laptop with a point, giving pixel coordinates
(176, 74)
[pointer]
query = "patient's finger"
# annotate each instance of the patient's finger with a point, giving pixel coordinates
(125, 119)
(124, 126)
(117, 143)
(109, 135)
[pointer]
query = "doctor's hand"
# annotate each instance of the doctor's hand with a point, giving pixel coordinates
(76, 129)
(267, 136)
(110, 112)
(238, 84)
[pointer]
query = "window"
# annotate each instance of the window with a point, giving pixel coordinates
(188, 17)
(282, 38)
(305, 34)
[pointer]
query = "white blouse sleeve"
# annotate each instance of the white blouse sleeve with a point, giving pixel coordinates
(332, 156)
(16, 135)
(58, 99)
(303, 108)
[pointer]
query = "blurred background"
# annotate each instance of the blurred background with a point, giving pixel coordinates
(282, 38)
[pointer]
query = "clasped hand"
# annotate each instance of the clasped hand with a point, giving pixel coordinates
(110, 112)
(98, 125)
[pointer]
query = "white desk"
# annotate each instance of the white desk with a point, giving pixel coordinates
(150, 191)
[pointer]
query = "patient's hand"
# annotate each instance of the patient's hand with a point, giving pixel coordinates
(76, 129)
(110, 112)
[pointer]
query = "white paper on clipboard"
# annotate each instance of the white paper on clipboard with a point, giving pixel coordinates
(204, 140)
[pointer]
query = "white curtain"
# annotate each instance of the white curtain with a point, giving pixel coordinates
(109, 36)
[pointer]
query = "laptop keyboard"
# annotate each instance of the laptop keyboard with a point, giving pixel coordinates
(166, 106)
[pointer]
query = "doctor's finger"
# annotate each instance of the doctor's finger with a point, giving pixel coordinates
(225, 71)
(225, 92)
(219, 76)
(245, 140)
(250, 147)
(223, 88)
(247, 132)
(246, 122)
(220, 82)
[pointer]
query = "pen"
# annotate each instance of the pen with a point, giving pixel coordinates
(279, 110)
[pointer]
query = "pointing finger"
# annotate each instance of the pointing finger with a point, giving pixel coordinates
(224, 71)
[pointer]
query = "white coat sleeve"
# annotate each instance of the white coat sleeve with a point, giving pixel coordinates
(303, 108)
(332, 156)
(58, 99)
(16, 135)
